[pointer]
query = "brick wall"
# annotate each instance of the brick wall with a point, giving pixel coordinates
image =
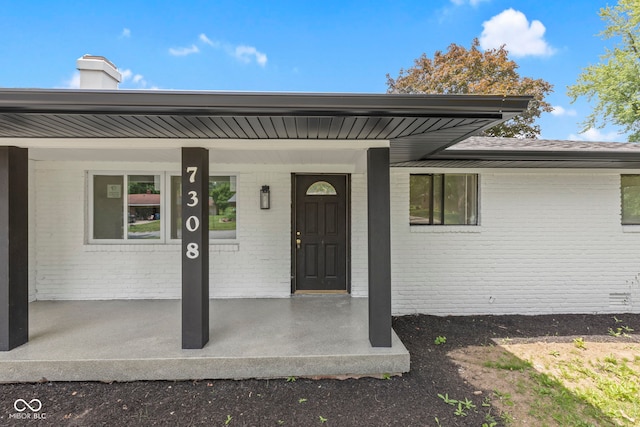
(548, 242)
(257, 264)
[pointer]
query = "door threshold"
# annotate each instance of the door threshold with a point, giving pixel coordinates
(338, 292)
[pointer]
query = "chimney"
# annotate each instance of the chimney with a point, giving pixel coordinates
(97, 72)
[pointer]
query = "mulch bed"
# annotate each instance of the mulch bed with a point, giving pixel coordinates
(410, 400)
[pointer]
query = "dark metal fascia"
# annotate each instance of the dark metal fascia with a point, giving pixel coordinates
(65, 101)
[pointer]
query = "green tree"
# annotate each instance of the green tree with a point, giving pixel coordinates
(473, 71)
(220, 193)
(614, 83)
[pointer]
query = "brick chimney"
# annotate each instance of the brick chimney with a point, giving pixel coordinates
(97, 72)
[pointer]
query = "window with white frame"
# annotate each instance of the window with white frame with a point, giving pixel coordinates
(135, 208)
(222, 207)
(443, 199)
(630, 199)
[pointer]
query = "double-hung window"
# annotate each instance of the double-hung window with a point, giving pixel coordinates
(136, 208)
(630, 199)
(443, 199)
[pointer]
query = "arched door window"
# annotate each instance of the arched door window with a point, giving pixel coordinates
(321, 188)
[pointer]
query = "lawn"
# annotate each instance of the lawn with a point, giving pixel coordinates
(145, 227)
(216, 222)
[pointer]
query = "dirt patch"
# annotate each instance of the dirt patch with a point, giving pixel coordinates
(455, 368)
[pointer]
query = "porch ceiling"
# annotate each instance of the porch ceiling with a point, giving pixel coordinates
(415, 125)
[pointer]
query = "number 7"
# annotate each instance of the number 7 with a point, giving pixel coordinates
(192, 170)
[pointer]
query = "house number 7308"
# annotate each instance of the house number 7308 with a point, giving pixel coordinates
(192, 223)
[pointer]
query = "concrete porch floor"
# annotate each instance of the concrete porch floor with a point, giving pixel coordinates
(249, 338)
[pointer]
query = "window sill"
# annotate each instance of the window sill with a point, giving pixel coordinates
(631, 228)
(119, 247)
(445, 229)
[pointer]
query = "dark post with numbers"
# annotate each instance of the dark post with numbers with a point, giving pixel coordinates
(14, 247)
(195, 248)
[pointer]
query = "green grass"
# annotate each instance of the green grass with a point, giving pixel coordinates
(215, 223)
(509, 362)
(602, 392)
(614, 388)
(145, 228)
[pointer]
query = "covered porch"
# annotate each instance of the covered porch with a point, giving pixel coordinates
(302, 336)
(121, 340)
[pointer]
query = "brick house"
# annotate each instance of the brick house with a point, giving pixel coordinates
(372, 196)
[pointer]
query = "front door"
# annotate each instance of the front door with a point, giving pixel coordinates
(320, 241)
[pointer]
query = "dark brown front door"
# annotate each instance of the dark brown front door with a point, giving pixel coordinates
(320, 233)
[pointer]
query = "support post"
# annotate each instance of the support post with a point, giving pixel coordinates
(195, 248)
(378, 205)
(14, 247)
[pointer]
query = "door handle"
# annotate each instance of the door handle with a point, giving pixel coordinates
(298, 241)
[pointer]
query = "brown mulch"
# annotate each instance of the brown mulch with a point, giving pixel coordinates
(410, 400)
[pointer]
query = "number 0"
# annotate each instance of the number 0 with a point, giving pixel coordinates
(192, 223)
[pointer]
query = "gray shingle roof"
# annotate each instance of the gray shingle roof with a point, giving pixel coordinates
(488, 152)
(516, 144)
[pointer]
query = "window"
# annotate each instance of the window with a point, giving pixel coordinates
(321, 188)
(443, 199)
(134, 200)
(630, 195)
(222, 207)
(135, 208)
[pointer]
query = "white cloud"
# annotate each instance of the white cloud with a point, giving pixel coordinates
(73, 82)
(130, 78)
(203, 38)
(126, 33)
(245, 53)
(561, 111)
(242, 53)
(126, 74)
(473, 3)
(512, 28)
(184, 51)
(593, 134)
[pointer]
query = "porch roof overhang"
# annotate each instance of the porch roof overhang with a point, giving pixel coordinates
(417, 126)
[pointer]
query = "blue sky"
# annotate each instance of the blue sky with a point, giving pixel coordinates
(329, 46)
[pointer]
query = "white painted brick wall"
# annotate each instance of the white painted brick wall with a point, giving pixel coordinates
(32, 232)
(257, 264)
(359, 242)
(549, 242)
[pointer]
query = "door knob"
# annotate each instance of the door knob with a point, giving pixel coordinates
(298, 241)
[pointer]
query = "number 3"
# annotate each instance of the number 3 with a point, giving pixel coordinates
(194, 199)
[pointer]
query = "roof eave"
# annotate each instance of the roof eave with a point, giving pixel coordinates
(66, 101)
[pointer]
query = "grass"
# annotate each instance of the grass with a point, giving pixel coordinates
(146, 227)
(575, 391)
(509, 362)
(216, 223)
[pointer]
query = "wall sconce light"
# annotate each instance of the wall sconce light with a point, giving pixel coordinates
(265, 197)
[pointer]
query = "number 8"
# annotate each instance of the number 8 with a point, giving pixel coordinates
(192, 250)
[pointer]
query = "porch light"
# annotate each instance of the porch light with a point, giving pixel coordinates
(265, 197)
